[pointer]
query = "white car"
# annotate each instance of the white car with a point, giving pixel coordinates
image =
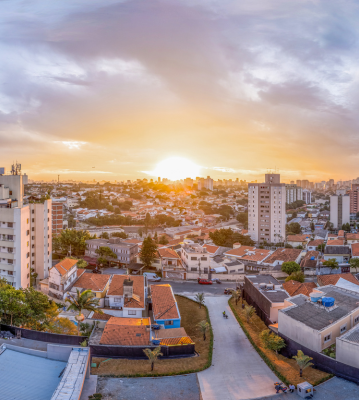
(152, 277)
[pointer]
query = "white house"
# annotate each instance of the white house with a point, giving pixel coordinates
(61, 276)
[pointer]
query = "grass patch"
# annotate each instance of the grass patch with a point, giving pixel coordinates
(285, 369)
(191, 315)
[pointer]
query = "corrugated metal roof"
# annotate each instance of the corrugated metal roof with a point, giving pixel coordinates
(26, 377)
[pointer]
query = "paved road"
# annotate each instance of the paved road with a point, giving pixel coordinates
(187, 288)
(182, 387)
(237, 370)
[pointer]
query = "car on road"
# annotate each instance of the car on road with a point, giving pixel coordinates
(151, 277)
(204, 281)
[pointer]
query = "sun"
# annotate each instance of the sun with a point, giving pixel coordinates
(176, 168)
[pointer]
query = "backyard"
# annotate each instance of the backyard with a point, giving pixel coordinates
(191, 315)
(285, 366)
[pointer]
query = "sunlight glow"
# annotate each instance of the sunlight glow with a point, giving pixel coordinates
(176, 168)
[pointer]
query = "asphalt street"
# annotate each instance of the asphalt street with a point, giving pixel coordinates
(186, 287)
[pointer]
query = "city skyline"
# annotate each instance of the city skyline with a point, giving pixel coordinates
(234, 88)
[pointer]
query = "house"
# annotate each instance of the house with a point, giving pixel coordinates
(127, 332)
(355, 250)
(352, 238)
(347, 349)
(171, 264)
(340, 253)
(164, 306)
(310, 260)
(239, 252)
(234, 267)
(315, 324)
(298, 240)
(313, 244)
(283, 255)
(127, 293)
(266, 294)
(97, 283)
(212, 250)
(61, 276)
(195, 258)
(293, 288)
(335, 242)
(334, 279)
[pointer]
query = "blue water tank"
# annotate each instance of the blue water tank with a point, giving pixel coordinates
(328, 301)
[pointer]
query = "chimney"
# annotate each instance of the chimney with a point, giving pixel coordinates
(127, 287)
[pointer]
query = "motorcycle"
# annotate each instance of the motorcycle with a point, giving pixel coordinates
(279, 386)
(225, 315)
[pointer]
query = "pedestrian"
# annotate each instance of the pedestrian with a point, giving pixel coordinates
(291, 388)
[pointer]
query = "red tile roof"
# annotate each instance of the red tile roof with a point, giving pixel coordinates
(283, 255)
(163, 302)
(297, 238)
(211, 249)
(121, 332)
(355, 249)
(116, 289)
(293, 288)
(352, 236)
(316, 242)
(166, 252)
(259, 255)
(65, 265)
(335, 242)
(325, 280)
(94, 282)
(239, 251)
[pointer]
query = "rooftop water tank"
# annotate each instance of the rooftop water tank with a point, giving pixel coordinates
(328, 301)
(315, 296)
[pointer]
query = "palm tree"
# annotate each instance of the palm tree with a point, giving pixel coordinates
(153, 355)
(83, 301)
(200, 299)
(203, 327)
(303, 361)
(249, 311)
(237, 295)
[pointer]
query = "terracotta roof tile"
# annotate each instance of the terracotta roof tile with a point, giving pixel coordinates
(211, 249)
(239, 251)
(259, 255)
(297, 238)
(316, 242)
(325, 280)
(355, 249)
(352, 236)
(116, 289)
(65, 265)
(94, 282)
(307, 261)
(119, 333)
(335, 242)
(166, 252)
(103, 317)
(164, 304)
(293, 288)
(283, 255)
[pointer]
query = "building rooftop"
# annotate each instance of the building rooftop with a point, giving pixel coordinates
(164, 304)
(166, 252)
(110, 242)
(283, 255)
(257, 279)
(352, 335)
(116, 289)
(345, 250)
(319, 317)
(297, 238)
(94, 282)
(65, 265)
(293, 287)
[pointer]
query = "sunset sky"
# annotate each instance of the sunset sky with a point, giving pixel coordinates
(235, 87)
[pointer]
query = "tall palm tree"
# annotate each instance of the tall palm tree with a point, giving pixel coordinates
(303, 361)
(153, 355)
(200, 299)
(203, 327)
(83, 301)
(237, 295)
(249, 311)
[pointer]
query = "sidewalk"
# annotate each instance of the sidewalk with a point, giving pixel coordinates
(237, 371)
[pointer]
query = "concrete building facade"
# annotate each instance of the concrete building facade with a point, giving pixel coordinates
(307, 196)
(266, 210)
(354, 198)
(339, 210)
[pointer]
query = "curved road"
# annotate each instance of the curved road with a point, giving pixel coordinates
(237, 371)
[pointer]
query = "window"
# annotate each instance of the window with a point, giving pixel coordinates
(10, 224)
(343, 328)
(33, 212)
(193, 269)
(27, 220)
(33, 229)
(168, 322)
(327, 338)
(10, 272)
(356, 320)
(204, 258)
(193, 258)
(33, 220)
(117, 299)
(131, 312)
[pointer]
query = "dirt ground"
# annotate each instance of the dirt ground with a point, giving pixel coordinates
(191, 315)
(286, 366)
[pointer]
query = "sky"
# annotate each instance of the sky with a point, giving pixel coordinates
(107, 90)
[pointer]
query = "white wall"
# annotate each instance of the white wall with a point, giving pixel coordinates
(347, 352)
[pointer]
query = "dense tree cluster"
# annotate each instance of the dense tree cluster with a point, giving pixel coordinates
(71, 240)
(227, 237)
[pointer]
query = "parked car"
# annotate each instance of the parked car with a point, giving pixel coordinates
(216, 280)
(204, 281)
(151, 277)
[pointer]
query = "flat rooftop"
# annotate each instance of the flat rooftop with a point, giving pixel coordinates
(27, 377)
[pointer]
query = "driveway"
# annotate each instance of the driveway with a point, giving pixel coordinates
(237, 371)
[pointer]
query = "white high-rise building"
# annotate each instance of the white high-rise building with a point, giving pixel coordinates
(339, 210)
(293, 193)
(307, 196)
(266, 210)
(205, 183)
(25, 233)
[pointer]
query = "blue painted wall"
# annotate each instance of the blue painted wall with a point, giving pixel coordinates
(176, 323)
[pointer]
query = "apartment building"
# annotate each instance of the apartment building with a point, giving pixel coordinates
(57, 218)
(339, 210)
(125, 252)
(205, 183)
(307, 196)
(195, 258)
(266, 210)
(354, 198)
(25, 233)
(293, 193)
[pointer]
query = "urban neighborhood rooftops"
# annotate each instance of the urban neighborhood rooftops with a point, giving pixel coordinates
(116, 289)
(337, 250)
(283, 255)
(166, 252)
(65, 265)
(164, 304)
(324, 280)
(293, 287)
(94, 282)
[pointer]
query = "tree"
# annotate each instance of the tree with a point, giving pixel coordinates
(147, 222)
(148, 251)
(354, 263)
(37, 306)
(163, 240)
(249, 311)
(63, 326)
(296, 276)
(290, 266)
(227, 237)
(104, 254)
(332, 263)
(303, 361)
(155, 237)
(153, 355)
(3, 283)
(70, 241)
(121, 235)
(346, 227)
(83, 301)
(200, 299)
(242, 218)
(236, 295)
(271, 341)
(12, 305)
(203, 327)
(104, 235)
(312, 226)
(82, 263)
(293, 228)
(321, 247)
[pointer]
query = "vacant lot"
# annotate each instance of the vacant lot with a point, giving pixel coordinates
(191, 315)
(286, 366)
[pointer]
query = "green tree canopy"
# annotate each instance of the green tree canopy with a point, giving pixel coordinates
(104, 255)
(227, 237)
(272, 341)
(121, 235)
(293, 228)
(354, 263)
(290, 266)
(71, 240)
(296, 276)
(148, 251)
(332, 263)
